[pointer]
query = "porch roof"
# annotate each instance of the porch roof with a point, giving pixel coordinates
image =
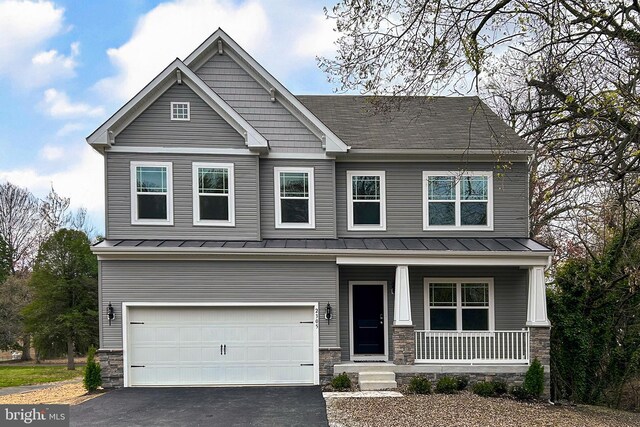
(516, 245)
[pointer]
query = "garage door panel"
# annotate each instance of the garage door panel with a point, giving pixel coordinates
(182, 345)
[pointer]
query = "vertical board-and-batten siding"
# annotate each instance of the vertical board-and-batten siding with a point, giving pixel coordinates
(118, 176)
(510, 293)
(284, 132)
(324, 172)
(205, 129)
(216, 282)
(404, 199)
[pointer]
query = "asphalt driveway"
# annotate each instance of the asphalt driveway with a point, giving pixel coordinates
(212, 406)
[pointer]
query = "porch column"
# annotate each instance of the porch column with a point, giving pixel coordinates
(404, 352)
(537, 307)
(402, 303)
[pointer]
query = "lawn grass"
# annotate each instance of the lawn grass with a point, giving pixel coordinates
(11, 376)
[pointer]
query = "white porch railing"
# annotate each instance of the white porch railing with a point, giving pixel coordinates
(504, 347)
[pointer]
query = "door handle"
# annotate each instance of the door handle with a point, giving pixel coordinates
(225, 349)
(220, 349)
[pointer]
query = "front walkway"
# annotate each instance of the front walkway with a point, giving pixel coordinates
(193, 406)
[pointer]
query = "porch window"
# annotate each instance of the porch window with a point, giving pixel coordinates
(366, 200)
(151, 193)
(458, 200)
(213, 191)
(294, 198)
(459, 304)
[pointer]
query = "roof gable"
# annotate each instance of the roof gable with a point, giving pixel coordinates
(178, 72)
(220, 42)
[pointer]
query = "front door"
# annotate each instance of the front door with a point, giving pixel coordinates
(368, 320)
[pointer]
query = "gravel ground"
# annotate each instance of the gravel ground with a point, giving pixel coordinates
(467, 410)
(67, 393)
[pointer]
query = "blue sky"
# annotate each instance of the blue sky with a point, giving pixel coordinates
(65, 66)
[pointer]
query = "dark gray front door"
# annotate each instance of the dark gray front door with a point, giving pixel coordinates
(368, 319)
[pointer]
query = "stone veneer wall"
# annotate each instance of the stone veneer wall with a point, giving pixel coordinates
(111, 365)
(329, 356)
(404, 349)
(511, 379)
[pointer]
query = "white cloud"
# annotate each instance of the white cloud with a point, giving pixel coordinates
(70, 128)
(316, 38)
(25, 29)
(174, 29)
(51, 152)
(58, 105)
(82, 180)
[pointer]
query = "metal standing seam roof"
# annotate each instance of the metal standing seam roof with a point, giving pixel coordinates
(384, 244)
(417, 122)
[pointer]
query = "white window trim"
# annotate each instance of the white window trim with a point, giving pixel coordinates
(231, 222)
(383, 202)
(134, 194)
(458, 282)
(188, 111)
(312, 205)
(458, 226)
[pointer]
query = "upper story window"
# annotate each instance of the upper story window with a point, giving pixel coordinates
(366, 204)
(454, 200)
(151, 193)
(294, 198)
(459, 304)
(180, 111)
(213, 194)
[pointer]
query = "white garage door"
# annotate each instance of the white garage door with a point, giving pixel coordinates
(220, 345)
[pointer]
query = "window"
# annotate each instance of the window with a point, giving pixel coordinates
(213, 194)
(458, 200)
(180, 111)
(151, 193)
(294, 198)
(366, 208)
(459, 304)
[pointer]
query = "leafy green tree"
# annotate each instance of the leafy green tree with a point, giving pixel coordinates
(594, 308)
(63, 316)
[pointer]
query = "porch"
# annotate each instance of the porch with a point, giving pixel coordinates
(435, 315)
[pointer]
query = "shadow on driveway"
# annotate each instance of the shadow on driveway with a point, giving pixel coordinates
(210, 406)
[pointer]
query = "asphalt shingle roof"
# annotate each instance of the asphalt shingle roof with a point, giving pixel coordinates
(434, 123)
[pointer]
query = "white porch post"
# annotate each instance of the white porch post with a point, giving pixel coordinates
(402, 301)
(537, 307)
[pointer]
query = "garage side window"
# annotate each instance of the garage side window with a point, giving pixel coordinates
(151, 193)
(294, 198)
(213, 194)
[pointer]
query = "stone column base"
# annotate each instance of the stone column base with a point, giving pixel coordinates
(404, 349)
(112, 368)
(329, 356)
(540, 345)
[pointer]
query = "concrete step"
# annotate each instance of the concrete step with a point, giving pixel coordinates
(377, 385)
(376, 376)
(377, 380)
(363, 367)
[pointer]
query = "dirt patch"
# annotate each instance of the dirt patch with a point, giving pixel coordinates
(466, 409)
(68, 393)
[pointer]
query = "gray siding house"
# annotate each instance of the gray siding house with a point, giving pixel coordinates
(256, 237)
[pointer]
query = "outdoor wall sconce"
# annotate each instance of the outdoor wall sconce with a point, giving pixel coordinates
(328, 314)
(111, 313)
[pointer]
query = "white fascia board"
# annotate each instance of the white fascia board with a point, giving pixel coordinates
(104, 135)
(333, 144)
